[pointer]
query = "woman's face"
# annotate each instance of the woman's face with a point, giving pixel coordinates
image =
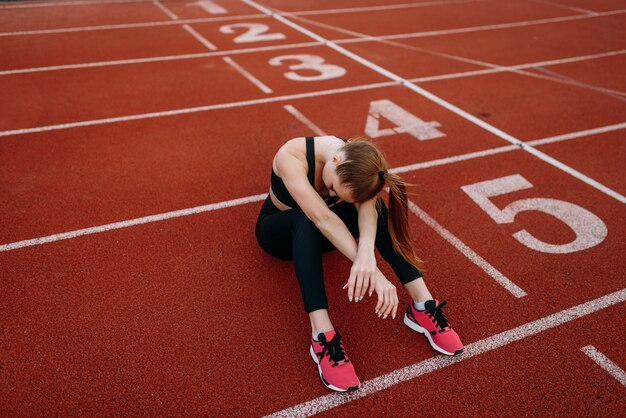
(331, 180)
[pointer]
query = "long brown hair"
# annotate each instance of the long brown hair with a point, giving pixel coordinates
(364, 172)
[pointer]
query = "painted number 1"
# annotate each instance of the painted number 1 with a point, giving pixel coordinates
(589, 229)
(210, 7)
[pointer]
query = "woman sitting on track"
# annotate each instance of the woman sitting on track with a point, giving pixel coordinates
(324, 195)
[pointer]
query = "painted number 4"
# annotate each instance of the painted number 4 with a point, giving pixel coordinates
(404, 122)
(589, 229)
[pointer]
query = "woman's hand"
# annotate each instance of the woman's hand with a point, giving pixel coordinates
(362, 275)
(387, 297)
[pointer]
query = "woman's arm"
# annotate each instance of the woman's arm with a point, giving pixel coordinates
(363, 273)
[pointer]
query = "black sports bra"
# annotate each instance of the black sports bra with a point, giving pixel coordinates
(281, 192)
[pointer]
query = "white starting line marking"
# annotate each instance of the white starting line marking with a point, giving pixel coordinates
(447, 105)
(186, 27)
(468, 252)
(247, 75)
(199, 37)
(165, 10)
(249, 199)
(306, 121)
(604, 362)
(324, 403)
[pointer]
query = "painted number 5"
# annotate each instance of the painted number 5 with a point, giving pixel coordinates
(308, 63)
(589, 229)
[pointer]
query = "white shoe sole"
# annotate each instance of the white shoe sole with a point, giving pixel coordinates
(328, 385)
(415, 327)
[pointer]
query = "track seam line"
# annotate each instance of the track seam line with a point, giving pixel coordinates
(445, 104)
(377, 384)
(605, 363)
(256, 198)
(470, 254)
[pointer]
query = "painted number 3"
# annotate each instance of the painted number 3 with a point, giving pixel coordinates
(308, 63)
(589, 229)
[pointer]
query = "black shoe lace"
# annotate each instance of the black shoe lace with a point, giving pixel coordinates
(438, 317)
(334, 349)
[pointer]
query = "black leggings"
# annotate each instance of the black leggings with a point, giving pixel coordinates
(291, 234)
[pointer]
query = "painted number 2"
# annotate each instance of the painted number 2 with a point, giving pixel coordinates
(589, 229)
(308, 63)
(255, 32)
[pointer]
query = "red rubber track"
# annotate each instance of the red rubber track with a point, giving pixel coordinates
(188, 316)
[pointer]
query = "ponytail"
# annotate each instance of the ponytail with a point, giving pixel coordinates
(399, 220)
(364, 172)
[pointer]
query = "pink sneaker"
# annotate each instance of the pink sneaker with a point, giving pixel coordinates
(335, 368)
(433, 324)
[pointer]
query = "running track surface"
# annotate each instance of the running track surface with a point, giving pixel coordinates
(135, 149)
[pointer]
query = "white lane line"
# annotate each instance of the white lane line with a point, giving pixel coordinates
(447, 105)
(383, 8)
(200, 38)
(130, 25)
(547, 75)
(186, 27)
(69, 3)
(132, 222)
(518, 66)
(162, 58)
(609, 92)
(187, 110)
(265, 89)
(256, 16)
(578, 134)
(303, 45)
(456, 158)
(470, 254)
(490, 27)
(165, 10)
(404, 169)
(606, 363)
(563, 6)
(306, 121)
(377, 384)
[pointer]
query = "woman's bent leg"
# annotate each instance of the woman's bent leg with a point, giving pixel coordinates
(307, 259)
(405, 271)
(291, 235)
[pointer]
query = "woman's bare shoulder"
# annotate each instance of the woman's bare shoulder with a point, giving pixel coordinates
(290, 152)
